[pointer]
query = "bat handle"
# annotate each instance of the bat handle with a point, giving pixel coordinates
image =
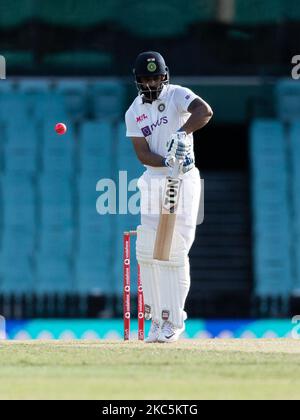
(176, 169)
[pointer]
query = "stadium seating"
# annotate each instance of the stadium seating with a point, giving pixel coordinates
(19, 60)
(53, 275)
(75, 93)
(51, 186)
(70, 13)
(82, 60)
(56, 198)
(96, 147)
(58, 151)
(17, 274)
(57, 241)
(295, 171)
(145, 19)
(20, 149)
(107, 99)
(18, 240)
(126, 157)
(7, 85)
(288, 100)
(271, 221)
(34, 85)
(94, 263)
(256, 12)
(16, 13)
(50, 107)
(14, 108)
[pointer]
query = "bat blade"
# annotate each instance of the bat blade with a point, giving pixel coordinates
(165, 230)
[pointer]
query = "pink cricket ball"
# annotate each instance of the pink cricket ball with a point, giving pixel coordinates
(60, 128)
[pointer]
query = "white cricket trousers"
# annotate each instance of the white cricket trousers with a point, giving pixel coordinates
(151, 185)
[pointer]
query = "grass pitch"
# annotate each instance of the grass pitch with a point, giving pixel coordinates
(189, 369)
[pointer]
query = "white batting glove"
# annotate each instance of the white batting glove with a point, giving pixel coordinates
(169, 160)
(179, 145)
(188, 163)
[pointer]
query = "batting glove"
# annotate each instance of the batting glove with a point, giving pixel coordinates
(179, 145)
(169, 160)
(188, 163)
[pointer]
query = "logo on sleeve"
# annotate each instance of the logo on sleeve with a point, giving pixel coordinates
(187, 97)
(141, 118)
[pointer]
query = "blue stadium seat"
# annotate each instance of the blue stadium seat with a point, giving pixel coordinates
(34, 85)
(55, 189)
(274, 283)
(94, 264)
(14, 107)
(56, 242)
(94, 242)
(88, 216)
(16, 273)
(254, 13)
(126, 156)
(56, 215)
(107, 99)
(20, 150)
(14, 215)
(18, 240)
(142, 18)
(50, 107)
(87, 187)
(96, 162)
(271, 213)
(58, 151)
(94, 276)
(17, 189)
(125, 146)
(75, 93)
(22, 135)
(296, 282)
(56, 195)
(96, 138)
(54, 275)
(288, 100)
(295, 173)
(7, 85)
(20, 161)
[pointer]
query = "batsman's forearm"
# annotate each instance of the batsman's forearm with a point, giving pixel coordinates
(197, 120)
(151, 159)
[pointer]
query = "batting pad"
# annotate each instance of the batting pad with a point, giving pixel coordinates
(174, 283)
(150, 281)
(165, 283)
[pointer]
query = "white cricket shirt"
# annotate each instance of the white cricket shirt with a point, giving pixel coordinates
(156, 122)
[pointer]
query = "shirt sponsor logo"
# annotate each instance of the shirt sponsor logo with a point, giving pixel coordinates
(148, 130)
(141, 118)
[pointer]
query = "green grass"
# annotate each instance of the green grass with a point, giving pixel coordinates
(189, 369)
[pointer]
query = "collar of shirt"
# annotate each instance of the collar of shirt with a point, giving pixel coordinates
(161, 96)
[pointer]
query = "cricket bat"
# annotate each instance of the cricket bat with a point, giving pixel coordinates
(165, 230)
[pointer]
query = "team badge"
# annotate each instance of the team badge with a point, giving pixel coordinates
(161, 107)
(151, 67)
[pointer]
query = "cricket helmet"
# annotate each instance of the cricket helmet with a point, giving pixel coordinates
(147, 64)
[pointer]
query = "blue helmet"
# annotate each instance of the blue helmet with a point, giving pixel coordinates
(150, 63)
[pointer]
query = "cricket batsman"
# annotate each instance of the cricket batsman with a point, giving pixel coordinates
(160, 122)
